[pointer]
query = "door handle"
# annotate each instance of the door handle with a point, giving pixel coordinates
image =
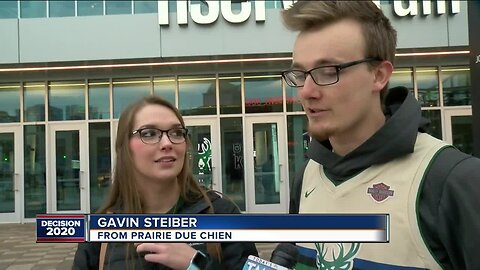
(280, 172)
(82, 180)
(15, 182)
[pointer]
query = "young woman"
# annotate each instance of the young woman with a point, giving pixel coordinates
(152, 176)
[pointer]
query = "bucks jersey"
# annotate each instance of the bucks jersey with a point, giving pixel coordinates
(390, 188)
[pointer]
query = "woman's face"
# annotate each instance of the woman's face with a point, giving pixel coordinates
(159, 159)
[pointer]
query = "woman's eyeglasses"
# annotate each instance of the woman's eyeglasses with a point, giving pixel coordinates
(154, 135)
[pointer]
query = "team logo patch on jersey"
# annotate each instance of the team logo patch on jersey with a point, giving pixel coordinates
(380, 192)
(336, 256)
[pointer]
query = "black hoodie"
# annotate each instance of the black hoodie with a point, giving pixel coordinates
(448, 203)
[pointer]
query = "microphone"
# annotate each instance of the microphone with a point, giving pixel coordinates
(284, 257)
(256, 263)
(285, 254)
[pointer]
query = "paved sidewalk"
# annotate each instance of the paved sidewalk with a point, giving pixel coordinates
(19, 251)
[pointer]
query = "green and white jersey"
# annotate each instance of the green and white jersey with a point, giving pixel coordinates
(390, 188)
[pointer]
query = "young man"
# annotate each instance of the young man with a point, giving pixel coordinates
(369, 154)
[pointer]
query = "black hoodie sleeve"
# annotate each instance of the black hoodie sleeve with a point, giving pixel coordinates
(450, 210)
(86, 256)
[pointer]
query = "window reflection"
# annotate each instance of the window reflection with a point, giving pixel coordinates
(61, 8)
(98, 100)
(100, 164)
(7, 172)
(197, 95)
(33, 9)
(118, 7)
(263, 93)
(298, 141)
(293, 103)
(402, 77)
(9, 103)
(266, 162)
(145, 6)
(66, 101)
(165, 88)
(34, 102)
(34, 168)
(462, 133)
(128, 91)
(8, 10)
(427, 85)
(233, 177)
(456, 86)
(67, 169)
(435, 128)
(89, 8)
(230, 91)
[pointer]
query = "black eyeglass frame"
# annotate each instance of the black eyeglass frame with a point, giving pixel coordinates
(139, 131)
(338, 68)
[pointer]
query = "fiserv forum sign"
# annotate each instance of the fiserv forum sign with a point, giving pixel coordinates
(212, 10)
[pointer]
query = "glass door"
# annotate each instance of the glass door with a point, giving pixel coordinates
(458, 128)
(68, 183)
(205, 152)
(11, 177)
(266, 164)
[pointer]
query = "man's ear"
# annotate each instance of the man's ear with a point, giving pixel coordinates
(383, 72)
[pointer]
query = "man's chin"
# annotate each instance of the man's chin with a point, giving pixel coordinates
(319, 134)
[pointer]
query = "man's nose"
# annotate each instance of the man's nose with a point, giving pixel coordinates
(310, 89)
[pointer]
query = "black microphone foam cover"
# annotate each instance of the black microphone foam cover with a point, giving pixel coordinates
(285, 254)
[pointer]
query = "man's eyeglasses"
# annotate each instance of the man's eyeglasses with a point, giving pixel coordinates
(322, 75)
(154, 135)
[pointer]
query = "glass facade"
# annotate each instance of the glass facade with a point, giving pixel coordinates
(233, 174)
(100, 163)
(427, 85)
(61, 8)
(35, 174)
(462, 133)
(292, 101)
(67, 166)
(7, 172)
(456, 86)
(165, 88)
(66, 101)
(298, 141)
(197, 95)
(230, 92)
(90, 8)
(126, 91)
(145, 7)
(263, 93)
(8, 9)
(33, 9)
(228, 98)
(402, 77)
(118, 7)
(99, 99)
(10, 103)
(34, 102)
(38, 8)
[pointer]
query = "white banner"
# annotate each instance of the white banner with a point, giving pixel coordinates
(250, 235)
